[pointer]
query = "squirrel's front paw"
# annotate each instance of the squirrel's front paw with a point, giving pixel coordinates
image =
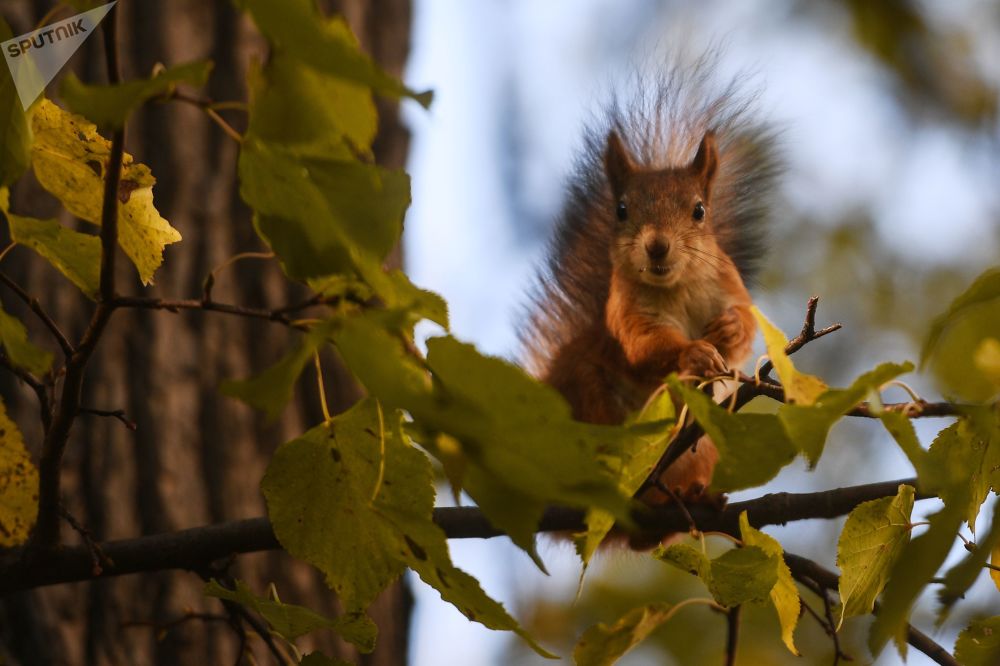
(728, 330)
(701, 359)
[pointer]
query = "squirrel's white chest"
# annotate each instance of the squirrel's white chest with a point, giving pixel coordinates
(691, 313)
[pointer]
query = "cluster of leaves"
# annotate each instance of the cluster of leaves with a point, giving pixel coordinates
(877, 555)
(357, 483)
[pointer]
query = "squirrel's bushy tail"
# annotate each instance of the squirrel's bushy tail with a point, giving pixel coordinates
(661, 118)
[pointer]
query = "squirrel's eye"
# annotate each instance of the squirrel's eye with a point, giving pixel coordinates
(622, 211)
(699, 212)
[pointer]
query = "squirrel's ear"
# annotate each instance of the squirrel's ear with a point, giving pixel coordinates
(706, 161)
(618, 163)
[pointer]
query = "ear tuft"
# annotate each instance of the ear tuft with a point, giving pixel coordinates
(706, 161)
(617, 163)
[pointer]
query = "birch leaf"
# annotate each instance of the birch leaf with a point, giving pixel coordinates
(70, 160)
(18, 485)
(76, 255)
(800, 388)
(872, 539)
(603, 644)
(784, 594)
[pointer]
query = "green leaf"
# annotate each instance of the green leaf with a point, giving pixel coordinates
(753, 448)
(70, 159)
(979, 643)
(309, 112)
(956, 335)
(965, 458)
(800, 388)
(631, 462)
(291, 621)
(808, 426)
(961, 576)
(320, 215)
(784, 594)
(742, 575)
(512, 427)
(987, 361)
(602, 644)
(510, 430)
(686, 558)
(15, 134)
(74, 254)
(271, 390)
(19, 349)
(738, 576)
(900, 427)
(870, 544)
(913, 570)
(18, 485)
(319, 491)
(356, 486)
(296, 27)
(112, 104)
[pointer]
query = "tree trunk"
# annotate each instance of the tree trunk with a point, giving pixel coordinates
(196, 456)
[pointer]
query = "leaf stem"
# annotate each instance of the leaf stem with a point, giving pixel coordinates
(322, 388)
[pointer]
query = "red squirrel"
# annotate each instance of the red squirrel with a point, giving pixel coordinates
(646, 273)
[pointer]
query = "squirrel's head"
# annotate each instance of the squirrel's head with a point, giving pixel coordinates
(663, 217)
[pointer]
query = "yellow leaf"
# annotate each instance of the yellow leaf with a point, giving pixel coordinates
(995, 561)
(987, 359)
(70, 159)
(18, 485)
(784, 594)
(800, 388)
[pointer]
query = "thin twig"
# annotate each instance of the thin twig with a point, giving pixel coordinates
(211, 109)
(211, 277)
(804, 570)
(36, 385)
(805, 336)
(752, 388)
(208, 306)
(732, 634)
(100, 560)
(162, 628)
(39, 311)
(114, 413)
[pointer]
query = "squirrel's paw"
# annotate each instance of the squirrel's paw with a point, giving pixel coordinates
(701, 359)
(728, 330)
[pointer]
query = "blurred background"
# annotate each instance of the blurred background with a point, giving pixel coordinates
(890, 208)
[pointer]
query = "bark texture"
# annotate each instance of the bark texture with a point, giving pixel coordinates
(196, 457)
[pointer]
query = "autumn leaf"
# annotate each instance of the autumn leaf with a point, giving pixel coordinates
(70, 160)
(18, 485)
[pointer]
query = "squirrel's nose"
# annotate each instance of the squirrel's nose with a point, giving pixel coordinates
(657, 249)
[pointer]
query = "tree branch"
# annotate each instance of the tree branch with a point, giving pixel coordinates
(36, 307)
(802, 567)
(44, 408)
(46, 533)
(176, 305)
(193, 548)
(751, 387)
(732, 634)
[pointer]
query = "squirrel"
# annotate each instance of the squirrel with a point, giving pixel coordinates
(647, 270)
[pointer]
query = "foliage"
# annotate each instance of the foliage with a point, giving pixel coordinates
(18, 484)
(354, 495)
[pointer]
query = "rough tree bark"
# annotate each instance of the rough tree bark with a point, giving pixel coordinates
(196, 457)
